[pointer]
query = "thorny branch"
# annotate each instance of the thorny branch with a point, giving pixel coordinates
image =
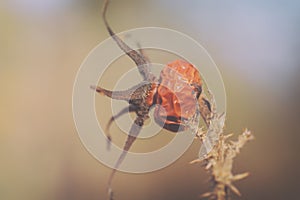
(219, 164)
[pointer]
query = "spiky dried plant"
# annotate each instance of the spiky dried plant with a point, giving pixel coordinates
(219, 162)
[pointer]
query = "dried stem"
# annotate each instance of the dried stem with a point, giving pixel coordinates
(217, 155)
(219, 164)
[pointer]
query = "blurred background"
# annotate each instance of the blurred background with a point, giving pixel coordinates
(255, 44)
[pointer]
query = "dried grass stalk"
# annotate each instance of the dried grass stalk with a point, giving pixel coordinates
(219, 161)
(217, 154)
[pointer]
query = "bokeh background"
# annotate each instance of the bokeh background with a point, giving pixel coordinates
(255, 44)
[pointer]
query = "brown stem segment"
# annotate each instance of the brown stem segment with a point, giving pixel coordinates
(133, 133)
(205, 109)
(118, 95)
(138, 58)
(142, 52)
(130, 108)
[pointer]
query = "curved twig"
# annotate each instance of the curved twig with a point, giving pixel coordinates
(139, 59)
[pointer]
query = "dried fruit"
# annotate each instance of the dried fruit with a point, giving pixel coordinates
(175, 95)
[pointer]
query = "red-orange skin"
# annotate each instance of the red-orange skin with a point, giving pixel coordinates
(176, 94)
